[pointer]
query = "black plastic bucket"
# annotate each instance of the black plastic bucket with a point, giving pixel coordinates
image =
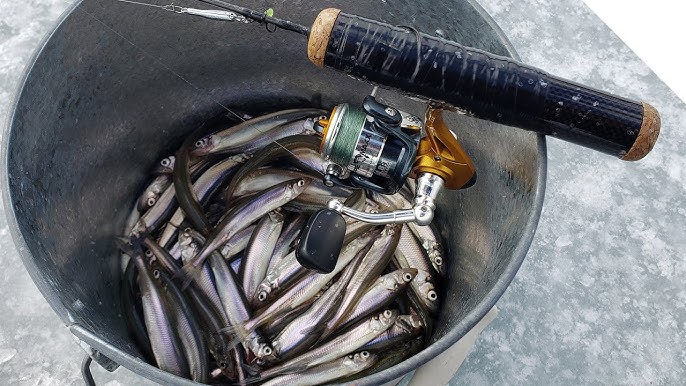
(116, 87)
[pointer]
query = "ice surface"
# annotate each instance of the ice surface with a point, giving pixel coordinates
(600, 298)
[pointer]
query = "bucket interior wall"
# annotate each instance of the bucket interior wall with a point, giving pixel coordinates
(116, 88)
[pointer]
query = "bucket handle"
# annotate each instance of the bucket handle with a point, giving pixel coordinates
(86, 371)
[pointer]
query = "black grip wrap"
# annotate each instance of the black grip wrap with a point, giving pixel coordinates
(485, 85)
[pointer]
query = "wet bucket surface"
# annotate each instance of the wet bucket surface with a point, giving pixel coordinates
(98, 109)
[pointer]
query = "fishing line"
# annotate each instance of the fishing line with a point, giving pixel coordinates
(170, 7)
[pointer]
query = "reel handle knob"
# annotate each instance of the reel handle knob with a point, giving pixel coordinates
(321, 241)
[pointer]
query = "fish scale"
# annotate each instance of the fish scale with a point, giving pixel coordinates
(260, 248)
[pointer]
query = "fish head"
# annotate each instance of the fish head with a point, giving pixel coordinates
(296, 187)
(262, 295)
(188, 246)
(384, 320)
(437, 261)
(166, 166)
(265, 354)
(308, 125)
(360, 359)
(403, 277)
(147, 201)
(225, 366)
(427, 293)
(205, 145)
(185, 239)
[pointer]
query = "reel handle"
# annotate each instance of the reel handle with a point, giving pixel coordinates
(487, 86)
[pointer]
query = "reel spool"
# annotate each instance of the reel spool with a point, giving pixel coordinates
(377, 144)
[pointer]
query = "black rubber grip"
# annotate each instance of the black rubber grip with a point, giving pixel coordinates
(487, 86)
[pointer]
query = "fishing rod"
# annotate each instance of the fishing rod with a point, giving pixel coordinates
(483, 84)
(378, 147)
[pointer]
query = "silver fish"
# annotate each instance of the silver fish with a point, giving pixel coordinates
(304, 330)
(154, 216)
(355, 229)
(406, 327)
(312, 283)
(286, 239)
(164, 341)
(411, 255)
(218, 343)
(322, 374)
(392, 356)
(380, 294)
(236, 308)
(343, 344)
(255, 260)
(308, 203)
(188, 330)
(391, 202)
(237, 243)
(430, 241)
(258, 132)
(289, 269)
(357, 200)
(205, 281)
(273, 327)
(311, 161)
(242, 217)
(373, 263)
(131, 220)
(264, 178)
(152, 193)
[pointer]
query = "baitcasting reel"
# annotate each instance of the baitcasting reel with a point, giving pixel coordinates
(378, 147)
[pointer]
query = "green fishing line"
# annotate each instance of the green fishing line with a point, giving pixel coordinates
(348, 134)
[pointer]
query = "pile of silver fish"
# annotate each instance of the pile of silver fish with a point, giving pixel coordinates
(212, 290)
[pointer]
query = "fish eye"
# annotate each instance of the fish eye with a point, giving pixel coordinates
(301, 182)
(387, 313)
(156, 274)
(260, 361)
(407, 277)
(432, 295)
(201, 142)
(165, 162)
(364, 354)
(267, 351)
(262, 296)
(438, 261)
(151, 201)
(223, 365)
(148, 253)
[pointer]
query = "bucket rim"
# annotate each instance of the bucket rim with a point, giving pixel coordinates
(93, 339)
